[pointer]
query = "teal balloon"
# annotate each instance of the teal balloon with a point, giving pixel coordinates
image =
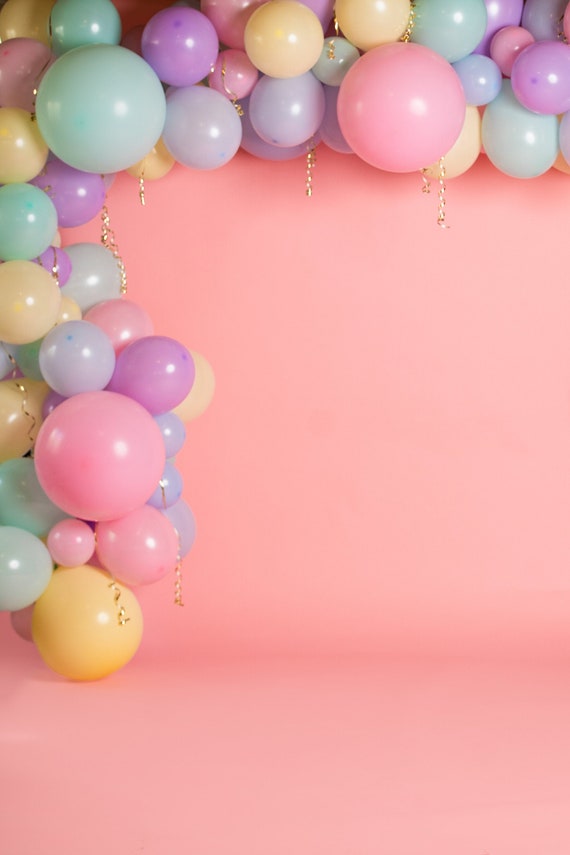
(25, 568)
(28, 222)
(518, 142)
(23, 502)
(75, 23)
(100, 108)
(27, 358)
(451, 28)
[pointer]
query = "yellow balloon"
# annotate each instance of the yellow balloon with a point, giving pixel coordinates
(29, 302)
(26, 19)
(369, 23)
(69, 310)
(466, 149)
(200, 396)
(154, 165)
(283, 38)
(23, 151)
(21, 401)
(85, 625)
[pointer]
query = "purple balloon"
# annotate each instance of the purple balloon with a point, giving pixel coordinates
(157, 371)
(202, 129)
(287, 111)
(543, 18)
(180, 44)
(52, 400)
(323, 9)
(253, 144)
(23, 62)
(540, 77)
(57, 262)
(500, 13)
(169, 489)
(75, 357)
(78, 196)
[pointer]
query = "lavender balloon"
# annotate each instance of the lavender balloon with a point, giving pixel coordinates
(331, 133)
(540, 77)
(57, 262)
(180, 44)
(173, 432)
(169, 488)
(287, 111)
(202, 129)
(157, 371)
(542, 18)
(77, 196)
(253, 144)
(75, 357)
(182, 518)
(500, 13)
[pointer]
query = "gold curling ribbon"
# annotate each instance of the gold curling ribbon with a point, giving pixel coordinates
(407, 34)
(441, 195)
(232, 95)
(122, 618)
(311, 163)
(109, 242)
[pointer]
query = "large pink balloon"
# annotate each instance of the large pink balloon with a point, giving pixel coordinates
(99, 455)
(401, 107)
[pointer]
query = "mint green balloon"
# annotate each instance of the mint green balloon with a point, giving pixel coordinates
(75, 23)
(25, 568)
(28, 222)
(451, 28)
(23, 502)
(100, 108)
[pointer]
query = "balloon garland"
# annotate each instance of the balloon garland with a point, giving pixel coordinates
(93, 403)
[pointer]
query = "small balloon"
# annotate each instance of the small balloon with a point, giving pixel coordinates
(201, 394)
(28, 221)
(124, 321)
(25, 568)
(507, 44)
(71, 542)
(73, 24)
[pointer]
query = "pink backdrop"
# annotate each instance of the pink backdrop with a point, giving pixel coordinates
(373, 652)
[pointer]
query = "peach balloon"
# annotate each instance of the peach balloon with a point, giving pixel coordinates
(368, 23)
(283, 38)
(21, 401)
(30, 301)
(23, 151)
(200, 396)
(155, 164)
(69, 310)
(465, 151)
(26, 19)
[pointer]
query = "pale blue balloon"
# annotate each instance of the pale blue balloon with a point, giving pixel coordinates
(451, 28)
(74, 23)
(75, 357)
(337, 56)
(173, 432)
(95, 275)
(28, 222)
(100, 108)
(25, 568)
(202, 128)
(169, 488)
(287, 111)
(518, 142)
(23, 502)
(480, 77)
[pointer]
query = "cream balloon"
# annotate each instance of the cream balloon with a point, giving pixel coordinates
(21, 402)
(23, 151)
(283, 38)
(29, 302)
(200, 396)
(466, 149)
(69, 310)
(369, 23)
(26, 19)
(157, 163)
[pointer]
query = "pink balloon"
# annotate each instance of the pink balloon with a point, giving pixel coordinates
(234, 74)
(123, 320)
(230, 17)
(23, 62)
(401, 106)
(139, 548)
(71, 542)
(99, 455)
(507, 44)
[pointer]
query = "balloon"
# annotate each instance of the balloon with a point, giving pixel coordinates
(368, 25)
(287, 111)
(566, 23)
(452, 29)
(21, 621)
(23, 502)
(71, 542)
(540, 77)
(68, 311)
(91, 124)
(337, 56)
(27, 359)
(29, 301)
(95, 275)
(86, 626)
(25, 568)
(57, 262)
(169, 489)
(173, 432)
(202, 129)
(77, 196)
(23, 152)
(21, 402)
(564, 137)
(182, 518)
(200, 395)
(6, 361)
(99, 455)
(229, 18)
(542, 18)
(132, 39)
(480, 77)
(500, 13)
(330, 130)
(122, 320)
(23, 62)
(401, 106)
(253, 144)
(234, 74)
(155, 164)
(28, 221)
(139, 548)
(506, 45)
(180, 44)
(26, 19)
(283, 38)
(75, 23)
(157, 371)
(518, 142)
(465, 151)
(76, 356)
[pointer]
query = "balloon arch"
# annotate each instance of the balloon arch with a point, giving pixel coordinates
(93, 403)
